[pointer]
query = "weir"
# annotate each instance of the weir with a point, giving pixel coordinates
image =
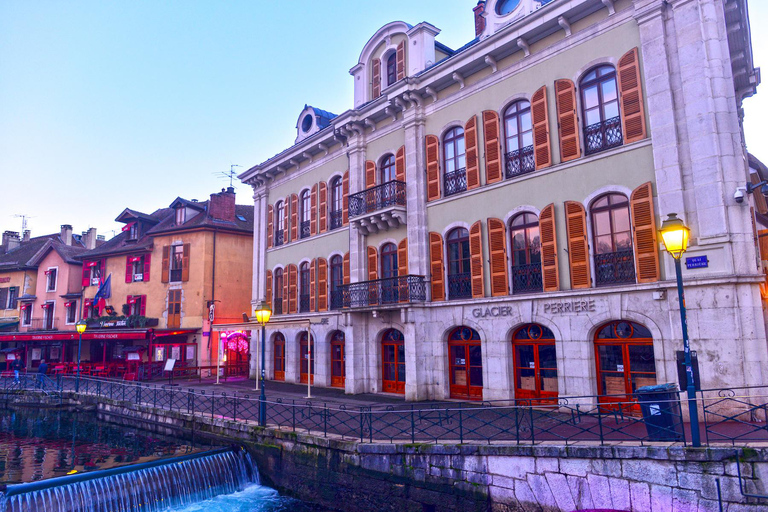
(147, 487)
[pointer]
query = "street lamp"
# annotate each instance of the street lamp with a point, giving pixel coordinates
(262, 314)
(80, 326)
(675, 235)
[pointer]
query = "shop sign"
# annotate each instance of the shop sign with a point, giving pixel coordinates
(561, 307)
(114, 323)
(496, 311)
(5, 279)
(696, 262)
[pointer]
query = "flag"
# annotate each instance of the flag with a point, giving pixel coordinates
(104, 292)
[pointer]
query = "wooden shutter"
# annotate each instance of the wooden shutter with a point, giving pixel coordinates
(433, 167)
(644, 231)
(294, 217)
(402, 270)
(376, 78)
(567, 120)
(86, 277)
(578, 247)
(497, 245)
(147, 266)
(268, 291)
(312, 287)
(373, 263)
(631, 94)
(400, 59)
(322, 284)
(550, 276)
(323, 207)
(345, 198)
(313, 211)
(185, 263)
(286, 288)
(143, 308)
(492, 148)
(400, 164)
(293, 275)
(470, 144)
(270, 228)
(757, 195)
(166, 264)
(128, 270)
(370, 174)
(542, 149)
(436, 266)
(345, 263)
(476, 259)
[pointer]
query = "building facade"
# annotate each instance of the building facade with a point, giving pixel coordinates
(483, 223)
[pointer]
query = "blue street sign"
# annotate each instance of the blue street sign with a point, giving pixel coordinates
(696, 262)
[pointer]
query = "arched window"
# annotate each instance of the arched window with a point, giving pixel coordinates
(466, 363)
(393, 361)
(392, 69)
(389, 286)
(600, 108)
(612, 235)
(518, 133)
(506, 6)
(279, 356)
(337, 280)
(526, 253)
(305, 214)
(337, 202)
(279, 223)
(338, 361)
(535, 363)
(459, 273)
(306, 354)
(387, 168)
(454, 160)
(304, 287)
(277, 284)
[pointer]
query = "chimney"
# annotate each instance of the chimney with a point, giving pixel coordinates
(222, 205)
(479, 18)
(10, 240)
(26, 236)
(66, 234)
(89, 238)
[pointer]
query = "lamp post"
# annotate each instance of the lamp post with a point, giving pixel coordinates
(262, 313)
(80, 326)
(675, 235)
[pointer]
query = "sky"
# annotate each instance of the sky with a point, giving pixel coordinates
(129, 104)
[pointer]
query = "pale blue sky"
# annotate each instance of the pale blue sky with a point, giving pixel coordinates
(107, 105)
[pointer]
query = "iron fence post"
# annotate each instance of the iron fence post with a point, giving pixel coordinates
(154, 398)
(362, 409)
(600, 423)
(533, 435)
(234, 407)
(293, 414)
(517, 424)
(170, 399)
(461, 426)
(325, 420)
(138, 393)
(213, 403)
(413, 426)
(370, 424)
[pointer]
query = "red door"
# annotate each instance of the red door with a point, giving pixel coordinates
(466, 364)
(279, 356)
(338, 371)
(393, 362)
(305, 358)
(535, 364)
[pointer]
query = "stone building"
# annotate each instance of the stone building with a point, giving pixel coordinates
(482, 224)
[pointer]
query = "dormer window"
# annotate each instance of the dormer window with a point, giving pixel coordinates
(181, 215)
(133, 231)
(506, 6)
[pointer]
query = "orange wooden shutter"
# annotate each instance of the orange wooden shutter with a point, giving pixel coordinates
(322, 284)
(550, 276)
(436, 266)
(166, 263)
(578, 248)
(345, 198)
(370, 174)
(497, 245)
(758, 196)
(313, 211)
(184, 263)
(433, 167)
(268, 291)
(644, 230)
(345, 263)
(286, 288)
(476, 259)
(376, 78)
(492, 148)
(402, 270)
(400, 164)
(312, 288)
(567, 120)
(294, 217)
(270, 229)
(470, 143)
(542, 149)
(631, 93)
(373, 263)
(400, 59)
(293, 275)
(323, 207)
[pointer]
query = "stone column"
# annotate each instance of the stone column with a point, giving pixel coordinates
(357, 252)
(259, 267)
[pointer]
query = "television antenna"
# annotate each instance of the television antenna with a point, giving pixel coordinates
(230, 175)
(24, 219)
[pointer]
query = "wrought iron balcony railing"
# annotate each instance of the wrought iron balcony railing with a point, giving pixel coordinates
(175, 275)
(337, 299)
(42, 324)
(279, 237)
(459, 286)
(604, 135)
(615, 268)
(526, 278)
(335, 219)
(391, 290)
(455, 182)
(304, 303)
(304, 229)
(277, 307)
(391, 193)
(519, 162)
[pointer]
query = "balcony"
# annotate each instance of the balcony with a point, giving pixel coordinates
(336, 219)
(277, 307)
(279, 237)
(304, 303)
(378, 208)
(526, 278)
(613, 268)
(455, 182)
(42, 324)
(175, 275)
(337, 299)
(304, 229)
(383, 292)
(519, 162)
(459, 286)
(604, 135)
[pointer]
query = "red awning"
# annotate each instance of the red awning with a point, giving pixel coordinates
(137, 334)
(173, 332)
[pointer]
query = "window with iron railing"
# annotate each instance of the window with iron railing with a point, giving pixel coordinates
(459, 286)
(376, 198)
(603, 135)
(519, 162)
(304, 303)
(304, 229)
(335, 219)
(379, 292)
(615, 268)
(526, 278)
(337, 299)
(279, 237)
(277, 307)
(455, 182)
(600, 110)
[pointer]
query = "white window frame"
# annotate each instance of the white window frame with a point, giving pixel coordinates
(141, 271)
(50, 312)
(48, 281)
(66, 316)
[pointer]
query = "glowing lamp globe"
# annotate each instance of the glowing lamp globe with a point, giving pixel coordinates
(675, 235)
(80, 326)
(262, 313)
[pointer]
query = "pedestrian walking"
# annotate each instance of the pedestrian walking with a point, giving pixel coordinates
(41, 371)
(17, 365)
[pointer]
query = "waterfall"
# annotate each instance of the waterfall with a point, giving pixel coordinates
(148, 487)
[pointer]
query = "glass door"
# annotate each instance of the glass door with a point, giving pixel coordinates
(338, 371)
(393, 362)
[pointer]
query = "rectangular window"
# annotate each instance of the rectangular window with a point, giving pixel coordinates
(96, 273)
(13, 295)
(174, 309)
(48, 316)
(51, 274)
(133, 233)
(26, 314)
(177, 263)
(180, 216)
(71, 312)
(4, 298)
(136, 303)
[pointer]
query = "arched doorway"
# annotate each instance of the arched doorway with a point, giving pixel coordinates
(236, 348)
(625, 360)
(466, 363)
(535, 362)
(305, 349)
(338, 371)
(393, 361)
(279, 356)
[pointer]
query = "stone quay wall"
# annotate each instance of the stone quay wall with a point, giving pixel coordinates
(352, 476)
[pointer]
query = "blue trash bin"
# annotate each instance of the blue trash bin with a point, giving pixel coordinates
(661, 411)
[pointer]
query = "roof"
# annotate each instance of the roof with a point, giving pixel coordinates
(28, 254)
(180, 201)
(202, 220)
(120, 244)
(323, 117)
